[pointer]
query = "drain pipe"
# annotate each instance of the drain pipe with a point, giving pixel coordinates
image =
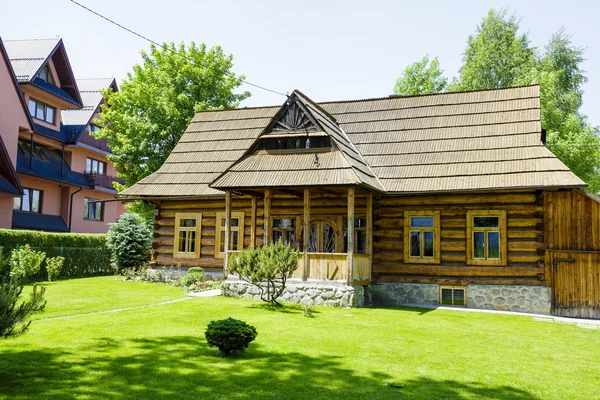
(71, 206)
(31, 153)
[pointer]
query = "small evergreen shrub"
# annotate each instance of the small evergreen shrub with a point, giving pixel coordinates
(193, 277)
(230, 335)
(308, 310)
(54, 266)
(130, 241)
(24, 262)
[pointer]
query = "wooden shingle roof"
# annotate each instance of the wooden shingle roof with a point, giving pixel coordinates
(465, 141)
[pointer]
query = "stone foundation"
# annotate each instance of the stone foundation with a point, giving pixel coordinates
(300, 292)
(175, 272)
(519, 298)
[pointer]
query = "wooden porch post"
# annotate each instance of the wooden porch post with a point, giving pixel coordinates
(253, 223)
(306, 273)
(350, 234)
(369, 234)
(267, 218)
(227, 232)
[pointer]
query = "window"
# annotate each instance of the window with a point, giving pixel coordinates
(46, 75)
(284, 229)
(42, 111)
(187, 235)
(422, 237)
(486, 237)
(360, 235)
(452, 296)
(236, 240)
(296, 143)
(31, 201)
(94, 128)
(92, 211)
(40, 152)
(95, 166)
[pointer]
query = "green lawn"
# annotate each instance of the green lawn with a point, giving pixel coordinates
(160, 352)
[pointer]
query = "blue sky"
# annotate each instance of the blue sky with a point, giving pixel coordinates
(330, 50)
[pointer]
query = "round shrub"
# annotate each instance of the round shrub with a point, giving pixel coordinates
(130, 241)
(192, 278)
(229, 335)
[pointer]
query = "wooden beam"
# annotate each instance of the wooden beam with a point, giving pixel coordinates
(370, 231)
(267, 217)
(227, 231)
(350, 234)
(253, 222)
(306, 233)
(290, 192)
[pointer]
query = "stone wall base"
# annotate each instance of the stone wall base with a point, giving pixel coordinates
(300, 292)
(520, 298)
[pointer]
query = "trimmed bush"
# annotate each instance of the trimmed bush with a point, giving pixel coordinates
(230, 335)
(193, 275)
(130, 241)
(85, 254)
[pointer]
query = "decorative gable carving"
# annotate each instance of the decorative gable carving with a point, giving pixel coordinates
(294, 118)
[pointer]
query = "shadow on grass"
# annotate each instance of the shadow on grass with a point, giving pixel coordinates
(285, 308)
(417, 310)
(185, 367)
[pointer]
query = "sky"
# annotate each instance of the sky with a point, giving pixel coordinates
(328, 49)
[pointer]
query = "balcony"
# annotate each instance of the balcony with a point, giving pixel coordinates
(96, 179)
(88, 139)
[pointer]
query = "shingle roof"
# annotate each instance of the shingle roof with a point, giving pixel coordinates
(28, 55)
(480, 140)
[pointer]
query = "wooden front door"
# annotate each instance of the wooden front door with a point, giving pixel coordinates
(576, 284)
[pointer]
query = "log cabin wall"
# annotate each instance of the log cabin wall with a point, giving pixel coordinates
(524, 215)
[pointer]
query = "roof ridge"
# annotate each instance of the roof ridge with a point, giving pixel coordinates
(31, 39)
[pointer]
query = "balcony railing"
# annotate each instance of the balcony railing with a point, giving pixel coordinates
(88, 139)
(96, 179)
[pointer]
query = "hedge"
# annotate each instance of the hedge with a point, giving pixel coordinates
(85, 254)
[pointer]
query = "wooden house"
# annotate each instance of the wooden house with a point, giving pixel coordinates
(426, 200)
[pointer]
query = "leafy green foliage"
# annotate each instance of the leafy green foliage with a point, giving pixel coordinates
(498, 56)
(130, 241)
(193, 277)
(24, 262)
(230, 335)
(422, 77)
(156, 102)
(85, 254)
(267, 268)
(13, 311)
(53, 267)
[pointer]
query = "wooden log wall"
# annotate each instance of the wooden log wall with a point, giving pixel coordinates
(524, 230)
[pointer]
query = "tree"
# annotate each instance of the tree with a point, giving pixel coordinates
(130, 241)
(156, 102)
(267, 268)
(496, 55)
(422, 77)
(14, 311)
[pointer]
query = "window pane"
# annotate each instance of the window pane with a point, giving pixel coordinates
(50, 115)
(99, 211)
(478, 244)
(283, 223)
(415, 244)
(494, 245)
(222, 244)
(223, 222)
(291, 239)
(101, 168)
(182, 242)
(26, 200)
(427, 244)
(32, 107)
(234, 240)
(486, 222)
(86, 209)
(447, 296)
(17, 203)
(328, 239)
(459, 297)
(39, 113)
(235, 222)
(35, 201)
(192, 241)
(361, 242)
(94, 165)
(88, 165)
(421, 222)
(277, 236)
(188, 223)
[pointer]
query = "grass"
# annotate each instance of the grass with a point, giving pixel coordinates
(160, 352)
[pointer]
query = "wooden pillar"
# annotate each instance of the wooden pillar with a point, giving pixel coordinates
(227, 232)
(306, 238)
(267, 218)
(350, 234)
(369, 234)
(253, 223)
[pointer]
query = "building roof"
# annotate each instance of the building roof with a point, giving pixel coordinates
(28, 56)
(464, 141)
(89, 89)
(40, 222)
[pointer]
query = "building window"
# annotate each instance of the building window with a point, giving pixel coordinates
(187, 235)
(95, 166)
(39, 151)
(31, 201)
(46, 75)
(94, 128)
(92, 210)
(284, 229)
(236, 240)
(42, 111)
(422, 237)
(360, 235)
(452, 296)
(486, 237)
